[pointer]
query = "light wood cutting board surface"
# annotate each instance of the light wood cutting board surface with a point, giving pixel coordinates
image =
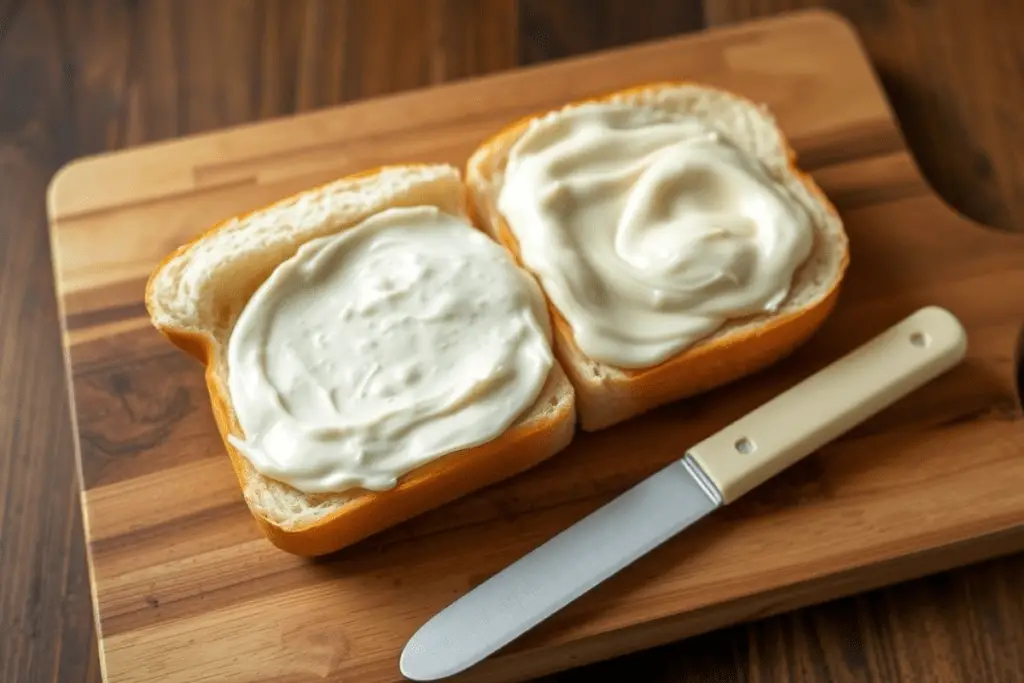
(187, 590)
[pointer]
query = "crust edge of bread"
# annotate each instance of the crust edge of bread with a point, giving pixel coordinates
(540, 432)
(606, 396)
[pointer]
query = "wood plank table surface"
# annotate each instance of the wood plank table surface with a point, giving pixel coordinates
(79, 77)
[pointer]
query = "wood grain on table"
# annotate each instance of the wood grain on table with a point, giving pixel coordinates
(81, 77)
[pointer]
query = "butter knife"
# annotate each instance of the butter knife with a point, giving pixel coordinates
(713, 473)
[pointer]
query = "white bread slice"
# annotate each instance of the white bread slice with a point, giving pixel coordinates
(197, 292)
(606, 395)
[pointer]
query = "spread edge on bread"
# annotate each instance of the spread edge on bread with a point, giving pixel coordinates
(376, 350)
(648, 229)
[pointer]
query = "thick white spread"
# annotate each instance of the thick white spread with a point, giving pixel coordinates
(648, 230)
(374, 351)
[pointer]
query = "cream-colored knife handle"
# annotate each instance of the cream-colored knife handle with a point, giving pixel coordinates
(817, 410)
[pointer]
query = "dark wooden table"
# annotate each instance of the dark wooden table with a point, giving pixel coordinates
(83, 76)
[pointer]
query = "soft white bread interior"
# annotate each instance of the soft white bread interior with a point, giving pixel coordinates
(605, 394)
(197, 293)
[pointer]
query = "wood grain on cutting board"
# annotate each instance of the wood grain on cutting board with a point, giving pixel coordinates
(187, 590)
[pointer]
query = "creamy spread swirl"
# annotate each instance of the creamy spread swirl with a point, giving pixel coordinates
(649, 230)
(376, 350)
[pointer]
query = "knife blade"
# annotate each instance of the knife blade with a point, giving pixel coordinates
(713, 473)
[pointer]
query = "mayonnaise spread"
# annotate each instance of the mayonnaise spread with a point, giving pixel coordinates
(376, 350)
(647, 229)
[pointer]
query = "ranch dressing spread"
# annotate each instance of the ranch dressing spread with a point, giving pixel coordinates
(648, 230)
(374, 351)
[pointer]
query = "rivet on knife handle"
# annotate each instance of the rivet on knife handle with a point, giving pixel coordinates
(817, 410)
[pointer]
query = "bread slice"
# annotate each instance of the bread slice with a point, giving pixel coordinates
(606, 395)
(198, 291)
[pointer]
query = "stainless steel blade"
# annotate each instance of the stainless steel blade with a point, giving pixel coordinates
(547, 579)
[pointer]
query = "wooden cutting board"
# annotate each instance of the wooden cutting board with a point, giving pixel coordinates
(186, 589)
